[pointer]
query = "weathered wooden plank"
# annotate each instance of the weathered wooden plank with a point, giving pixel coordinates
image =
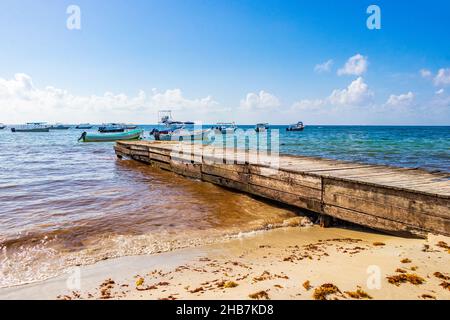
(214, 170)
(159, 157)
(140, 158)
(161, 151)
(122, 150)
(285, 186)
(419, 219)
(161, 165)
(139, 147)
(284, 197)
(225, 182)
(385, 197)
(187, 169)
(373, 221)
(307, 180)
(138, 152)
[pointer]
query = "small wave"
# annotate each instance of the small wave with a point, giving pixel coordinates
(47, 258)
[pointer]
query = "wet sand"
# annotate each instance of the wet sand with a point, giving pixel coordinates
(285, 263)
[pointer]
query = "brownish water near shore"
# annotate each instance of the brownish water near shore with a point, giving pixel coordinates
(64, 204)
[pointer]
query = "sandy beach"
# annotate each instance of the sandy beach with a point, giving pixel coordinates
(285, 263)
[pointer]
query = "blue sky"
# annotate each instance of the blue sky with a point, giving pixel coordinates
(220, 60)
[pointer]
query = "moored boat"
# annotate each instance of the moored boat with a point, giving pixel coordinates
(299, 126)
(261, 127)
(111, 127)
(181, 135)
(31, 127)
(2, 126)
(225, 128)
(59, 127)
(129, 126)
(107, 137)
(84, 126)
(178, 130)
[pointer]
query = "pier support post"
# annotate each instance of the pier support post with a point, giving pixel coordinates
(325, 221)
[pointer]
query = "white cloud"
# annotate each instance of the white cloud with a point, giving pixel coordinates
(22, 101)
(356, 65)
(355, 94)
(402, 100)
(425, 73)
(442, 77)
(307, 104)
(324, 67)
(261, 100)
(440, 91)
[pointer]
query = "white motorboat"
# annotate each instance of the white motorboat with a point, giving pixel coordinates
(181, 135)
(225, 128)
(261, 127)
(32, 127)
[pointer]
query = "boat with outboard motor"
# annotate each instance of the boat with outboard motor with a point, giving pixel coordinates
(225, 128)
(261, 127)
(299, 126)
(107, 137)
(180, 135)
(178, 130)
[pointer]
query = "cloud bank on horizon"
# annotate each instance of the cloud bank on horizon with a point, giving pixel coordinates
(21, 101)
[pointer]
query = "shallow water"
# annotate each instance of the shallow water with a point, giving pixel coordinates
(64, 203)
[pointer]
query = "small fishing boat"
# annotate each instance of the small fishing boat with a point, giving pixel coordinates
(181, 135)
(225, 128)
(261, 127)
(296, 127)
(130, 126)
(84, 126)
(2, 126)
(32, 127)
(59, 127)
(177, 130)
(165, 118)
(107, 137)
(111, 127)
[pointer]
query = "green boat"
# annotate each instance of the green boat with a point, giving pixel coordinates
(106, 137)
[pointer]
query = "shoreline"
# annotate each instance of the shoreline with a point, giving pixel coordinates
(278, 264)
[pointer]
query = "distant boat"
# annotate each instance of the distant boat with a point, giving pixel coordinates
(177, 130)
(296, 127)
(225, 128)
(107, 137)
(84, 126)
(130, 126)
(181, 135)
(165, 118)
(32, 127)
(2, 126)
(111, 127)
(261, 127)
(59, 127)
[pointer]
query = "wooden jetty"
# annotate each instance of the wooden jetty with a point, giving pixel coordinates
(403, 201)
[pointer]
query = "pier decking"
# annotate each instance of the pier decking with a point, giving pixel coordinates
(380, 197)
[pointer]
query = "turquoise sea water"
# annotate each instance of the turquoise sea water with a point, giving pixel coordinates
(411, 147)
(64, 202)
